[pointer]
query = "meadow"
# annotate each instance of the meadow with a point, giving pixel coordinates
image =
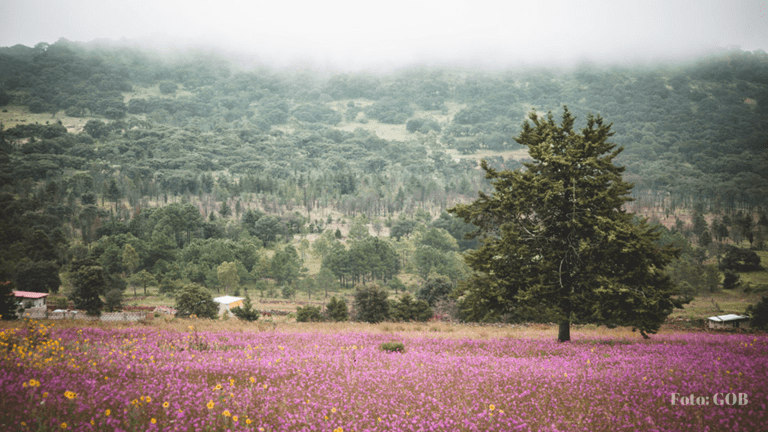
(200, 375)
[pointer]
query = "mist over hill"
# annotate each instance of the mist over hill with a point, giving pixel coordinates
(108, 144)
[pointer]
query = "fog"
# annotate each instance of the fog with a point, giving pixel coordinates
(343, 35)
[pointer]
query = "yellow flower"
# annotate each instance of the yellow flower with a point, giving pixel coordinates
(491, 407)
(218, 387)
(153, 420)
(210, 404)
(45, 395)
(63, 425)
(226, 413)
(70, 395)
(22, 423)
(107, 412)
(231, 382)
(247, 421)
(34, 383)
(265, 386)
(165, 404)
(253, 380)
(149, 399)
(333, 410)
(234, 418)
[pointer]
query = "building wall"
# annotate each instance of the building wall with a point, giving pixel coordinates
(729, 324)
(42, 313)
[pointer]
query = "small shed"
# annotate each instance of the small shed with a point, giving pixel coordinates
(730, 321)
(30, 299)
(226, 303)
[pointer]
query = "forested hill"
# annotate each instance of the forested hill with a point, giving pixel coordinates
(195, 123)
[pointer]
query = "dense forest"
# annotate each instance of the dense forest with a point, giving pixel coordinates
(192, 160)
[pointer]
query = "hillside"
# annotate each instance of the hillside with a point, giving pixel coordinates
(194, 161)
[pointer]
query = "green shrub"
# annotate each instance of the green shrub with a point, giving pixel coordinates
(743, 260)
(308, 314)
(196, 300)
(408, 309)
(393, 347)
(759, 314)
(371, 304)
(336, 310)
(730, 280)
(247, 312)
(435, 289)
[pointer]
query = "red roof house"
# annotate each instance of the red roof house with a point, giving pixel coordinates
(31, 299)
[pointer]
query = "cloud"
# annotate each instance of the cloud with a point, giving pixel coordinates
(360, 34)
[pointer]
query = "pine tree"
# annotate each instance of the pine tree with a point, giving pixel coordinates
(556, 242)
(247, 312)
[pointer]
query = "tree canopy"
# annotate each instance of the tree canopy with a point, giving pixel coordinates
(555, 241)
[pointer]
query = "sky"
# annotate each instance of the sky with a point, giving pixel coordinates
(353, 35)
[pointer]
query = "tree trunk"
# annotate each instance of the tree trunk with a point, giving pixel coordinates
(564, 332)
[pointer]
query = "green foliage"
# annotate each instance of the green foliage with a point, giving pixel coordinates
(336, 310)
(730, 280)
(435, 289)
(429, 260)
(371, 304)
(145, 278)
(227, 274)
(113, 300)
(285, 265)
(758, 314)
(682, 146)
(743, 260)
(167, 87)
(37, 276)
(88, 284)
(408, 309)
(193, 299)
(224, 210)
(437, 238)
(8, 304)
(358, 230)
(393, 347)
(402, 228)
(396, 284)
(308, 314)
(389, 110)
(422, 125)
(130, 258)
(697, 277)
(288, 291)
(247, 312)
(555, 236)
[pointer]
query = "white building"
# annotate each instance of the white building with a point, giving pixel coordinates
(226, 303)
(728, 321)
(30, 299)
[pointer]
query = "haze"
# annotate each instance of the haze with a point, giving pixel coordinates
(374, 35)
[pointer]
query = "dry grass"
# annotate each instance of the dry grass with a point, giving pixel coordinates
(719, 303)
(13, 115)
(398, 331)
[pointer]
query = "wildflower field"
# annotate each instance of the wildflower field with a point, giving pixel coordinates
(260, 378)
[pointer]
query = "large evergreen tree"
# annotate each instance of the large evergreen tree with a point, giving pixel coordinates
(556, 241)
